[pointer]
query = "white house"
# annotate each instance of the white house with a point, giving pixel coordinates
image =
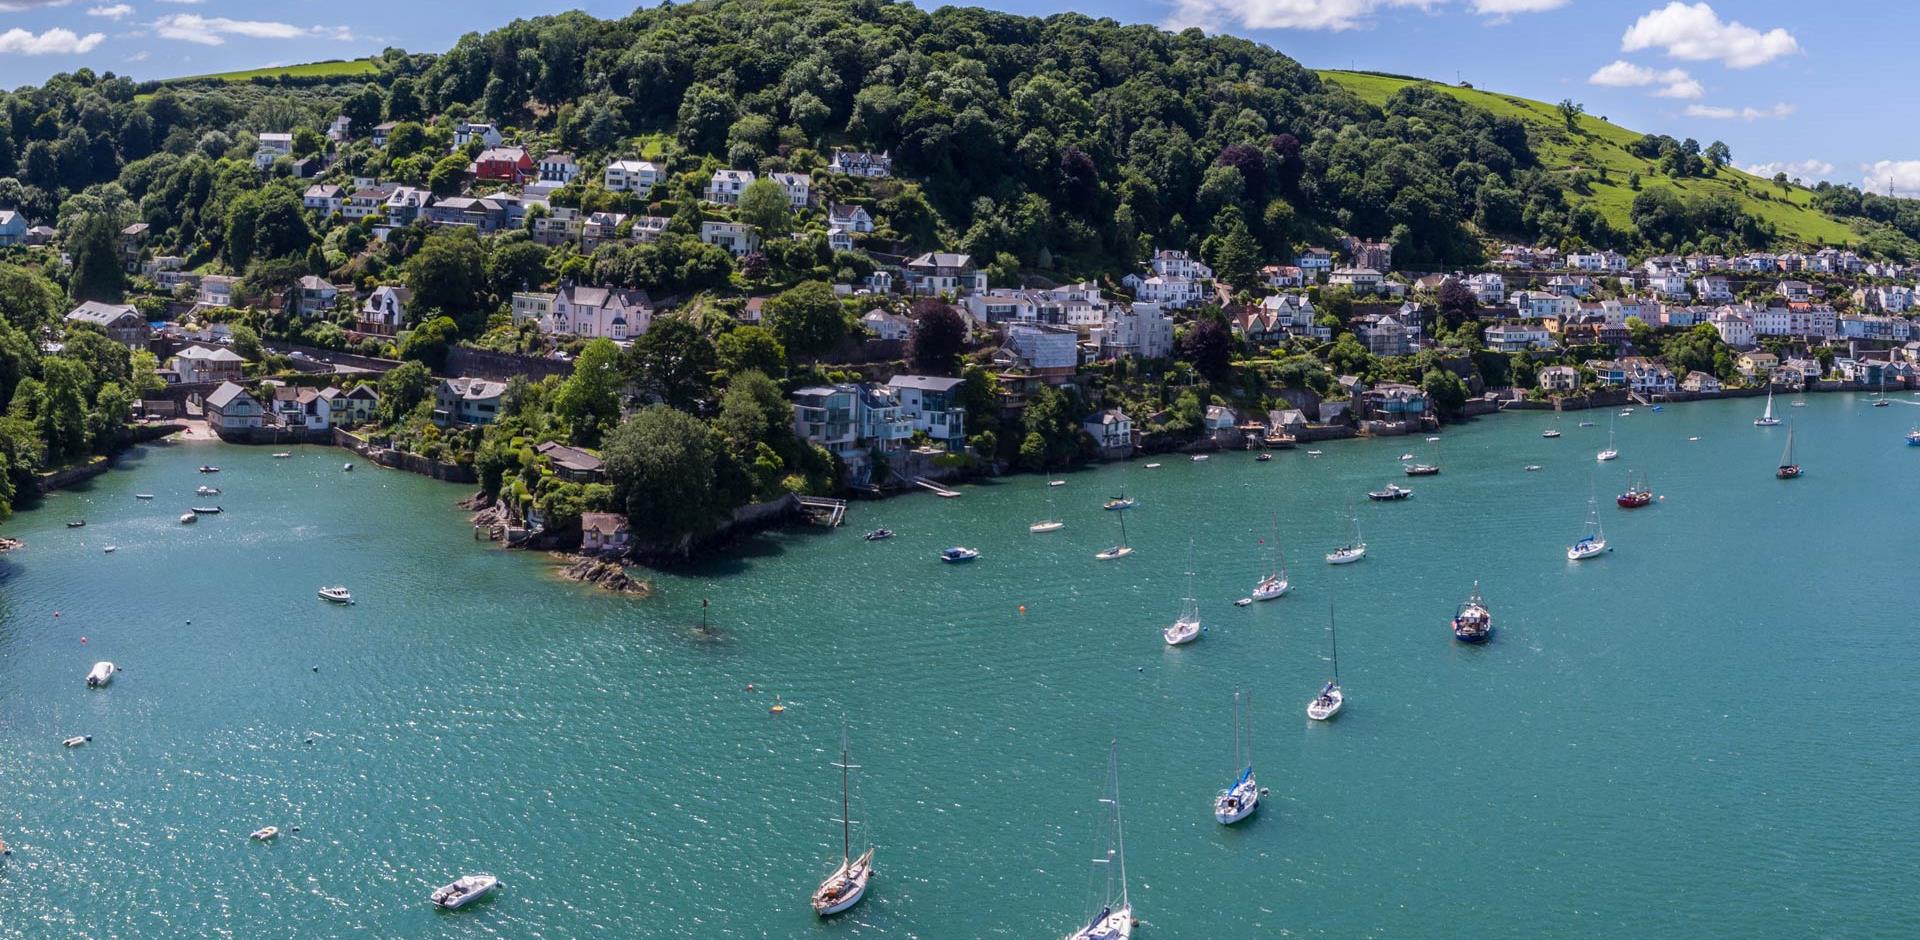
(466, 131)
(558, 168)
(1558, 378)
(1734, 327)
(313, 296)
(1111, 430)
(272, 147)
(637, 176)
(798, 187)
(324, 198)
(737, 238)
(341, 129)
(849, 219)
(1179, 264)
(231, 408)
(467, 401)
(862, 164)
(384, 312)
(932, 404)
(532, 306)
(1489, 288)
(198, 364)
(726, 186)
(1713, 289)
(884, 325)
(600, 312)
(1540, 305)
(1139, 329)
(1360, 280)
(943, 272)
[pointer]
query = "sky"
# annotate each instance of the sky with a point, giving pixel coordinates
(1813, 90)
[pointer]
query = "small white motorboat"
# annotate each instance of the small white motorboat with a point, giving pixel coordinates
(1153, 466)
(1244, 602)
(265, 834)
(1432, 439)
(1532, 467)
(188, 518)
(206, 491)
(77, 740)
(109, 549)
(1313, 453)
(207, 510)
(205, 468)
(336, 593)
(143, 496)
(100, 675)
(1691, 440)
(1056, 483)
(1406, 456)
(958, 554)
(464, 891)
(1050, 526)
(1199, 457)
(281, 455)
(347, 467)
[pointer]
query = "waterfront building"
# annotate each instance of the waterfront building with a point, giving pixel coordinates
(932, 405)
(467, 400)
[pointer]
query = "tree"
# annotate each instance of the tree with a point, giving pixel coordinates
(764, 206)
(938, 336)
(403, 102)
(61, 409)
(363, 109)
(672, 363)
(806, 318)
(448, 175)
(266, 224)
(751, 347)
(1570, 112)
(589, 400)
(28, 301)
(428, 343)
(1209, 347)
(94, 247)
(402, 389)
(516, 265)
(448, 274)
(406, 139)
(754, 411)
(1445, 390)
(1719, 154)
(1456, 302)
(661, 462)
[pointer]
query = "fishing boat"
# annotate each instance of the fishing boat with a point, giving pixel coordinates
(77, 740)
(1766, 419)
(1638, 493)
(77, 524)
(1353, 551)
(204, 468)
(878, 535)
(1186, 628)
(848, 883)
(1330, 700)
(1111, 917)
(1553, 428)
(265, 834)
(1052, 523)
(1593, 540)
(1788, 469)
(337, 593)
(206, 491)
(207, 510)
(1913, 437)
(463, 891)
(1609, 453)
(1473, 623)
(1392, 493)
(1274, 583)
(958, 554)
(100, 675)
(1242, 798)
(1120, 550)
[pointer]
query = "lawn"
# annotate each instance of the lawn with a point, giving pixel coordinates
(1600, 144)
(333, 69)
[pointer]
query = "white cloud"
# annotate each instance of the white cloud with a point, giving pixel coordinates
(1698, 34)
(1900, 176)
(1509, 7)
(214, 30)
(1674, 83)
(18, 41)
(21, 6)
(1742, 114)
(114, 12)
(1284, 14)
(140, 56)
(1795, 169)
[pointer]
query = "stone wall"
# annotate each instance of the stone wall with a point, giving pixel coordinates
(499, 367)
(397, 460)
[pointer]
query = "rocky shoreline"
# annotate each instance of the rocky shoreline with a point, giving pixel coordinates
(606, 575)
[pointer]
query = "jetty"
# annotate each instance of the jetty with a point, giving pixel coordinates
(827, 512)
(936, 488)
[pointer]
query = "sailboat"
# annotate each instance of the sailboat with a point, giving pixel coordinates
(1186, 629)
(1351, 552)
(1421, 469)
(1052, 523)
(1766, 419)
(1274, 584)
(1473, 623)
(1122, 501)
(1330, 700)
(1121, 550)
(1882, 401)
(1553, 428)
(848, 883)
(1240, 800)
(1593, 540)
(1788, 469)
(1609, 453)
(1112, 911)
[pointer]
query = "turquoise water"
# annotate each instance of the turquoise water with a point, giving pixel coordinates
(1706, 733)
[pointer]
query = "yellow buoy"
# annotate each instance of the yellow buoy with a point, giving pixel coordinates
(777, 707)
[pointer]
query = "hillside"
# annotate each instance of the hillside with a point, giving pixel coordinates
(335, 68)
(1604, 144)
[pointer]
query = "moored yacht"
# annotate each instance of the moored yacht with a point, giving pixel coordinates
(1392, 493)
(1186, 628)
(848, 883)
(1274, 583)
(1112, 915)
(1593, 540)
(1766, 419)
(1331, 699)
(1638, 493)
(1242, 798)
(463, 891)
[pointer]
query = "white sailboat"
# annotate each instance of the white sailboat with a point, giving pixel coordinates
(1353, 551)
(1052, 523)
(1112, 912)
(1609, 453)
(1187, 628)
(1593, 539)
(1240, 800)
(1274, 584)
(1767, 420)
(848, 883)
(1121, 550)
(1330, 700)
(1553, 428)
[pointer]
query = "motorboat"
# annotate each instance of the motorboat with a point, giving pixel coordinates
(1243, 602)
(100, 675)
(207, 510)
(1406, 456)
(1766, 419)
(1913, 437)
(1153, 466)
(1051, 525)
(143, 496)
(1200, 458)
(1421, 469)
(1638, 494)
(77, 740)
(1432, 439)
(264, 834)
(77, 524)
(464, 891)
(958, 554)
(878, 535)
(1531, 467)
(848, 883)
(1242, 798)
(1393, 492)
(109, 549)
(1262, 457)
(1056, 483)
(188, 518)
(1473, 623)
(205, 468)
(206, 491)
(1313, 453)
(336, 593)
(346, 467)
(1586, 424)
(282, 455)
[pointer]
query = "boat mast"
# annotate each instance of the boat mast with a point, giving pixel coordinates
(846, 814)
(1119, 835)
(1334, 631)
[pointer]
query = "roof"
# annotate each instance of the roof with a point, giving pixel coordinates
(569, 458)
(942, 259)
(925, 383)
(205, 354)
(225, 394)
(473, 389)
(605, 523)
(1109, 416)
(102, 314)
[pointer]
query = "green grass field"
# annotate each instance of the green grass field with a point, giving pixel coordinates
(1601, 144)
(335, 69)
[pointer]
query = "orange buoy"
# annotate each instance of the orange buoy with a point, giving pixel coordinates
(1023, 608)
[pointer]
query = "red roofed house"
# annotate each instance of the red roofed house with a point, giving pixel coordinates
(507, 164)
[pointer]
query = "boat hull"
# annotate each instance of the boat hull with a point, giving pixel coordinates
(100, 676)
(1270, 590)
(855, 877)
(1633, 500)
(1472, 634)
(1112, 925)
(1345, 558)
(1585, 551)
(1118, 551)
(1787, 473)
(1182, 632)
(478, 889)
(1232, 807)
(1319, 711)
(1039, 527)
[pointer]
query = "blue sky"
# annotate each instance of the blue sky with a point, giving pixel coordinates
(1808, 88)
